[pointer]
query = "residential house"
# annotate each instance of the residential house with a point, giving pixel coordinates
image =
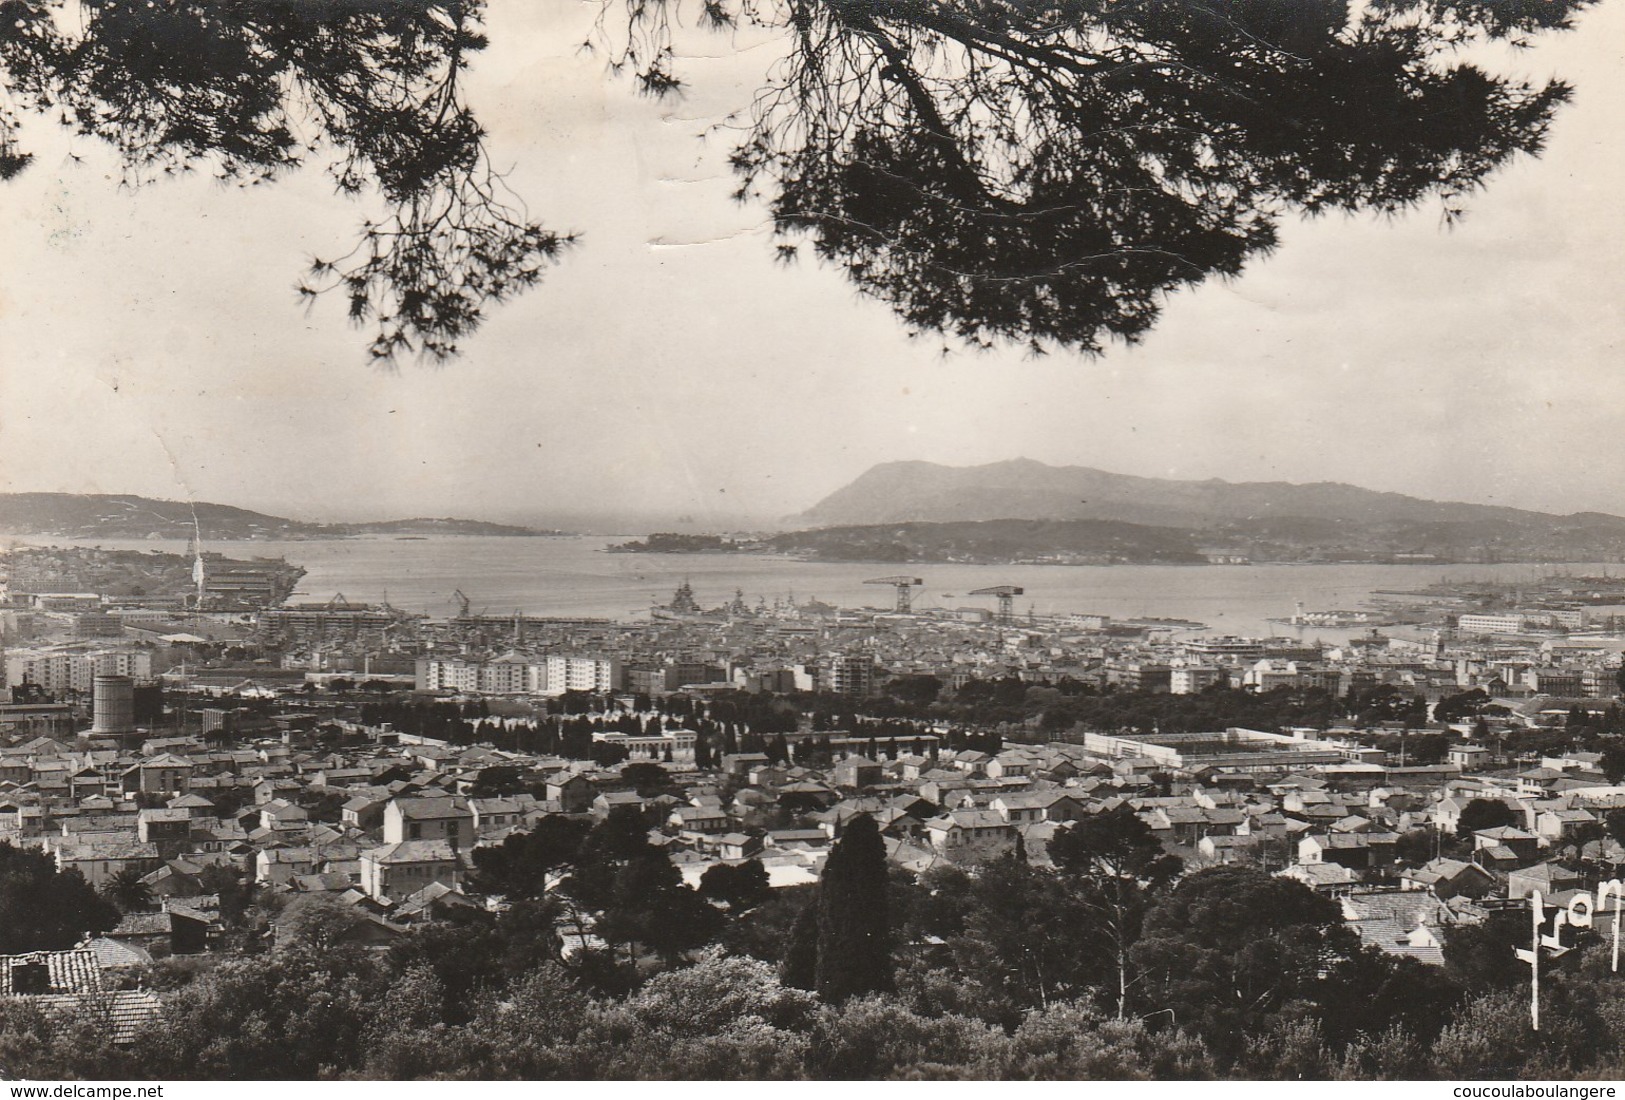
(1226, 849)
(971, 834)
(100, 856)
(1563, 825)
(397, 870)
(1448, 878)
(699, 819)
(1549, 878)
(1023, 808)
(856, 772)
(165, 826)
(1524, 846)
(165, 774)
(1356, 851)
(1330, 879)
(412, 819)
(365, 812)
(573, 792)
(608, 802)
(280, 814)
(494, 815)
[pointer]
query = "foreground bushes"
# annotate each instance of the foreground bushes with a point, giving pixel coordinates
(347, 1014)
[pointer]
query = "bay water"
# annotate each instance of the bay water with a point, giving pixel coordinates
(573, 576)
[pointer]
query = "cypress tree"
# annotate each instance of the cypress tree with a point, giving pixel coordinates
(854, 933)
(799, 968)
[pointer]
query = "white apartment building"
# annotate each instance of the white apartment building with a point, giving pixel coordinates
(599, 674)
(516, 674)
(1192, 679)
(507, 675)
(57, 671)
(1491, 624)
(849, 674)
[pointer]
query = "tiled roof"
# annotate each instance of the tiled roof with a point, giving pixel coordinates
(112, 954)
(430, 808)
(143, 924)
(1393, 937)
(75, 971)
(412, 851)
(126, 1011)
(1319, 874)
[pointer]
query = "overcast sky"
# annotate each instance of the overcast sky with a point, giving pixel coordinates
(150, 342)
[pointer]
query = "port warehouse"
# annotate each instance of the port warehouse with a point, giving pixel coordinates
(1235, 749)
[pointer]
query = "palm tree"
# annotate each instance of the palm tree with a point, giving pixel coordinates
(127, 891)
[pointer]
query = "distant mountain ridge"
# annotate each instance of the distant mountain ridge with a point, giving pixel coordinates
(1227, 521)
(118, 515)
(903, 492)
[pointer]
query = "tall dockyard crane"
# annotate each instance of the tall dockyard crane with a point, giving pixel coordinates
(1006, 594)
(905, 591)
(462, 603)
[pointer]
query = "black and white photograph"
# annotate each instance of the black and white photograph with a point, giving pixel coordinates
(802, 540)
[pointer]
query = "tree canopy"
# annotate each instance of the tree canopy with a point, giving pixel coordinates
(42, 908)
(1042, 174)
(1230, 945)
(854, 930)
(1485, 813)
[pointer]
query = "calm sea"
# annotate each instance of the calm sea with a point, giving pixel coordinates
(571, 576)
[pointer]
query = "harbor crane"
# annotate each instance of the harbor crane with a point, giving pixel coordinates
(1006, 594)
(905, 591)
(462, 603)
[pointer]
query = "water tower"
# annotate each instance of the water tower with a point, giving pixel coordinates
(113, 705)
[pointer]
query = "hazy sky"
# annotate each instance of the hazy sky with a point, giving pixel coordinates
(150, 342)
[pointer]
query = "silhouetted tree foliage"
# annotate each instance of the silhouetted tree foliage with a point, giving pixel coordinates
(298, 1012)
(1045, 173)
(1484, 813)
(1116, 868)
(471, 952)
(1217, 708)
(649, 905)
(42, 908)
(1417, 846)
(149, 704)
(799, 966)
(1230, 946)
(126, 891)
(1387, 703)
(1039, 173)
(1021, 938)
(1414, 749)
(1116, 843)
(1464, 704)
(854, 931)
(621, 838)
(227, 884)
(1369, 992)
(1480, 956)
(519, 866)
(1613, 761)
(649, 779)
(919, 690)
(254, 89)
(742, 886)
